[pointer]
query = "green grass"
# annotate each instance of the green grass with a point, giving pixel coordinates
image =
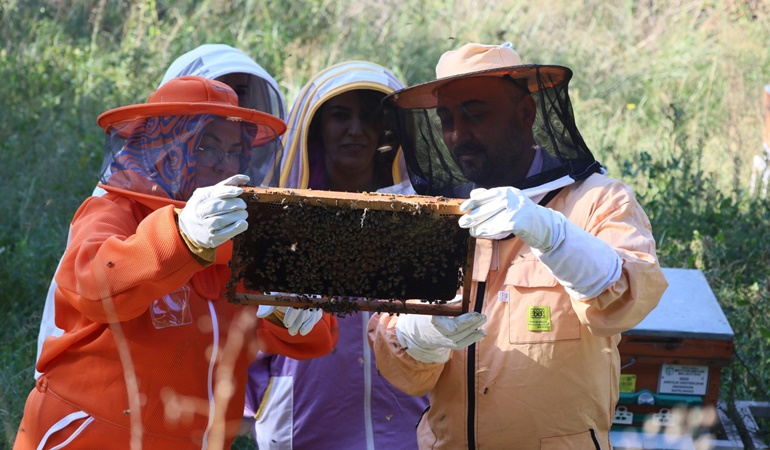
(667, 94)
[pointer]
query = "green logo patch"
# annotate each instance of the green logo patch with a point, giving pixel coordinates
(539, 318)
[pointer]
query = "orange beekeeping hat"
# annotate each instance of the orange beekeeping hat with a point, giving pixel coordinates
(191, 95)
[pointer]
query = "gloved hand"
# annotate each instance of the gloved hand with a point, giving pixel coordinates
(496, 213)
(215, 214)
(581, 262)
(294, 319)
(431, 339)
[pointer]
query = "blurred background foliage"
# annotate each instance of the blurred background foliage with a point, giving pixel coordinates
(666, 93)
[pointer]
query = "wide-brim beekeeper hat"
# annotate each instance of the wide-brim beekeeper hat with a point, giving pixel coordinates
(479, 60)
(191, 95)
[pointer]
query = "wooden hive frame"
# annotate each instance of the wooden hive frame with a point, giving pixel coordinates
(346, 252)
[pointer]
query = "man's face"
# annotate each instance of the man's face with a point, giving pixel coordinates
(486, 123)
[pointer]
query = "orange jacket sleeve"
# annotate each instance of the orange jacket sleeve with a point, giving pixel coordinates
(413, 377)
(320, 341)
(119, 261)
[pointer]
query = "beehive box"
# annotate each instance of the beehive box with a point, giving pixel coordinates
(675, 356)
(346, 252)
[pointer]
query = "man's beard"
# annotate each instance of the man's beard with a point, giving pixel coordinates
(477, 169)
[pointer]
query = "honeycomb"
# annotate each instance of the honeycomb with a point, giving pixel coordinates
(345, 252)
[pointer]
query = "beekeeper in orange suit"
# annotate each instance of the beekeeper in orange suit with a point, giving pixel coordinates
(564, 262)
(153, 356)
(256, 89)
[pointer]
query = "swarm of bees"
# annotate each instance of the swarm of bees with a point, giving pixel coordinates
(351, 251)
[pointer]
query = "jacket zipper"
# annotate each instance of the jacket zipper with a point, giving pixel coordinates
(596, 441)
(471, 374)
(480, 288)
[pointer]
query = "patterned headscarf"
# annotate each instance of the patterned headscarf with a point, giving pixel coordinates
(159, 157)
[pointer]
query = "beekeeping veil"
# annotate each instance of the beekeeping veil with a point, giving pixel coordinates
(255, 88)
(330, 82)
(161, 148)
(566, 158)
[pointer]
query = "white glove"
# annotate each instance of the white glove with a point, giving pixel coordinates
(582, 263)
(496, 213)
(431, 339)
(215, 214)
(294, 319)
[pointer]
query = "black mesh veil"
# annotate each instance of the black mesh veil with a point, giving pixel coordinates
(431, 167)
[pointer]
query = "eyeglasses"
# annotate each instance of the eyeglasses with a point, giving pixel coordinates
(214, 155)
